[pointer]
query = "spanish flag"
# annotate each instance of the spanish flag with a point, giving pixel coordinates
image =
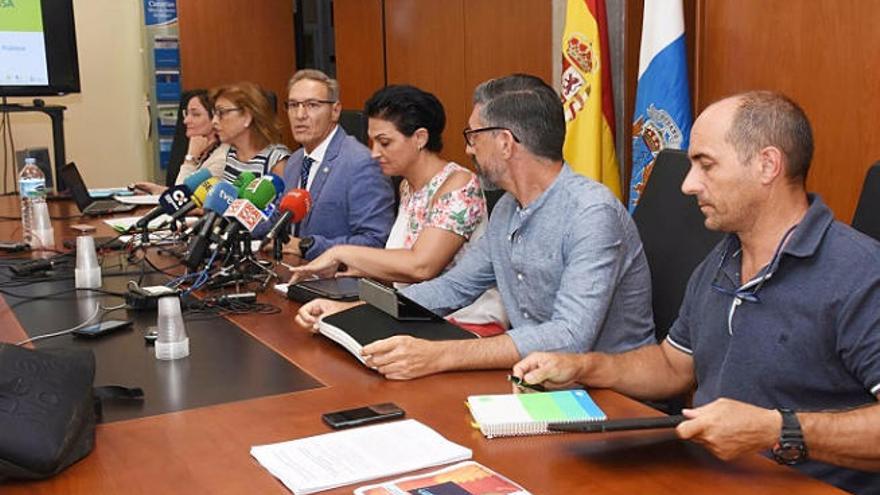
(587, 94)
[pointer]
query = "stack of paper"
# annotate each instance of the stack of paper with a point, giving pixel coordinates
(321, 462)
(528, 414)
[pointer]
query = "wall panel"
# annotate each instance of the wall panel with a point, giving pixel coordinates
(424, 46)
(506, 39)
(825, 54)
(360, 50)
(226, 41)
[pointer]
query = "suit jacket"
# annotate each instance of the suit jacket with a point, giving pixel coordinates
(352, 202)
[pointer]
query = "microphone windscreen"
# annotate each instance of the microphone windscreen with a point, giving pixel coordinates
(298, 202)
(248, 215)
(260, 192)
(243, 180)
(201, 192)
(278, 182)
(220, 197)
(174, 198)
(194, 179)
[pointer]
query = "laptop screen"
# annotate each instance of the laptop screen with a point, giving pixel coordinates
(76, 186)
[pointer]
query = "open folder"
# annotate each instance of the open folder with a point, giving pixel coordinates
(361, 325)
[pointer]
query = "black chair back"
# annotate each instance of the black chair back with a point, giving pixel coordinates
(867, 216)
(355, 124)
(673, 235)
(180, 142)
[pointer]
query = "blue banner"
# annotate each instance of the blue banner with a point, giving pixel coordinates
(158, 12)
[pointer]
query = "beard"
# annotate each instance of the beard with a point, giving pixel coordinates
(487, 178)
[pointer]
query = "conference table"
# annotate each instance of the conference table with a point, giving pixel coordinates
(206, 449)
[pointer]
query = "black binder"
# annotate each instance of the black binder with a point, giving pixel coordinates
(366, 324)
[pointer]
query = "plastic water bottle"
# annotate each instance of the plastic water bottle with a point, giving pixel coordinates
(35, 226)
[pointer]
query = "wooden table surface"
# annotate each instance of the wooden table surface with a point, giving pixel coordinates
(206, 450)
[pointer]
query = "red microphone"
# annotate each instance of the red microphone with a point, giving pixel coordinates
(294, 207)
(298, 202)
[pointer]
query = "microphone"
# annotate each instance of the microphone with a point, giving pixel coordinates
(243, 180)
(278, 182)
(170, 201)
(254, 198)
(260, 192)
(197, 199)
(216, 203)
(294, 206)
(177, 195)
(193, 180)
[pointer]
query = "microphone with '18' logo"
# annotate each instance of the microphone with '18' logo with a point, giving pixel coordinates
(169, 202)
(199, 190)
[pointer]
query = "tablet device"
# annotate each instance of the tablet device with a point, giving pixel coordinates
(337, 289)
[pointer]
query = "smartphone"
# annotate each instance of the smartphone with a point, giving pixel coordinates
(362, 415)
(102, 328)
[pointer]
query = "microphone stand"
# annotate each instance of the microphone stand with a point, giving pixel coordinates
(145, 235)
(280, 240)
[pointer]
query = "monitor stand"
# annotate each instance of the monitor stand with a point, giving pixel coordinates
(56, 114)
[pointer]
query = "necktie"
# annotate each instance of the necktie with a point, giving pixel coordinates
(304, 171)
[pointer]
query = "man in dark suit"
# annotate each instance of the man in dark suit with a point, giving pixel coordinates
(352, 202)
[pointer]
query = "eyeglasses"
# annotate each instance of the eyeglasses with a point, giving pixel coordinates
(308, 105)
(749, 291)
(468, 133)
(221, 112)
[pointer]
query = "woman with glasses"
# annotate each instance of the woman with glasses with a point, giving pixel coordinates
(442, 206)
(204, 150)
(245, 120)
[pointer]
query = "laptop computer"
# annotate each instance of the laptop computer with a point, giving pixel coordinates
(84, 201)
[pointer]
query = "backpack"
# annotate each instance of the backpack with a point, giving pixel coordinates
(48, 409)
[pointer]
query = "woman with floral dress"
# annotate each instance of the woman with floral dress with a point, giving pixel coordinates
(442, 206)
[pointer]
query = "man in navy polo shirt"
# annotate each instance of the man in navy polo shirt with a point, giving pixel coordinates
(779, 329)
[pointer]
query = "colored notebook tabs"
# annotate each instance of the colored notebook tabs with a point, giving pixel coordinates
(528, 414)
(464, 478)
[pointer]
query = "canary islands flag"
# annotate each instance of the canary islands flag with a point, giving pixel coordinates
(586, 94)
(662, 116)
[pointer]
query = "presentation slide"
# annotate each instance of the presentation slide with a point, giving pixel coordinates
(22, 47)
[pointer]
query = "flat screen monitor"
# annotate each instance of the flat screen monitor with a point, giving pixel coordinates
(38, 48)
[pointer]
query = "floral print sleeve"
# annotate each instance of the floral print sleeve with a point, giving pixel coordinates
(458, 211)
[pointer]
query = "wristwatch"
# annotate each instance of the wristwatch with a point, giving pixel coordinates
(189, 158)
(790, 449)
(305, 244)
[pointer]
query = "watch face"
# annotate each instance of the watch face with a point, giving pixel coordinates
(790, 453)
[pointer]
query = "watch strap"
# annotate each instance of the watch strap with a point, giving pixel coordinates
(790, 449)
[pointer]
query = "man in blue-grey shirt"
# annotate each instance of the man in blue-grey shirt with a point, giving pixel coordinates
(779, 329)
(563, 252)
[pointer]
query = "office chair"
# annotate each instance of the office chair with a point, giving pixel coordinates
(272, 98)
(673, 235)
(355, 124)
(180, 143)
(866, 218)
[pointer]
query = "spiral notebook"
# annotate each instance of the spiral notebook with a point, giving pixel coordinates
(528, 414)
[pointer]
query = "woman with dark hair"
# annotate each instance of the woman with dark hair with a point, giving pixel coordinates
(442, 205)
(204, 150)
(245, 119)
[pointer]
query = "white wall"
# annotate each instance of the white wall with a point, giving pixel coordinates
(106, 124)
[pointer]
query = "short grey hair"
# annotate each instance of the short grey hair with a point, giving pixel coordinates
(529, 108)
(768, 118)
(316, 75)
